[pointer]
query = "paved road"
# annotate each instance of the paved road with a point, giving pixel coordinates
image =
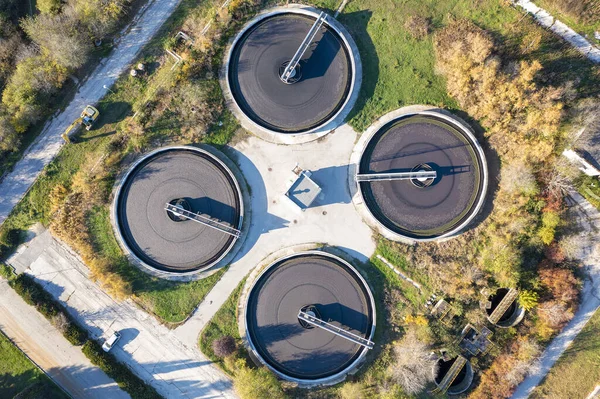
(46, 346)
(277, 223)
(150, 349)
(589, 219)
(14, 185)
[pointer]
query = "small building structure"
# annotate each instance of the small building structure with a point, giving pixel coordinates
(303, 190)
(474, 341)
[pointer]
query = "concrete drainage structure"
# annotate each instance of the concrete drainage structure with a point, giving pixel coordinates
(460, 383)
(324, 86)
(424, 140)
(165, 243)
(510, 317)
(311, 281)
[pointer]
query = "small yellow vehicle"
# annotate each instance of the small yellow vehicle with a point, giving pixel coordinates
(87, 119)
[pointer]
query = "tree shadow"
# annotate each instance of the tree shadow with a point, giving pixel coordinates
(493, 166)
(356, 23)
(112, 112)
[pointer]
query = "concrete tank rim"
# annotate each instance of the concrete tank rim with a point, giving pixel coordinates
(139, 263)
(364, 140)
(306, 383)
(324, 128)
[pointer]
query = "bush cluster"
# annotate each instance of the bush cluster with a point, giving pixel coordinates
(35, 295)
(128, 381)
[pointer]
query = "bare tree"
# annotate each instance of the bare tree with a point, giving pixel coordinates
(413, 365)
(517, 178)
(61, 322)
(528, 362)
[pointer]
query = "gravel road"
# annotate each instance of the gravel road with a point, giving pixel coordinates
(46, 346)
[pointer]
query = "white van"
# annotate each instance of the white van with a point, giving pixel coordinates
(110, 342)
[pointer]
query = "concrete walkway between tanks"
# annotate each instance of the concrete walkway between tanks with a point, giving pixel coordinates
(16, 183)
(544, 18)
(148, 348)
(588, 218)
(277, 223)
(64, 363)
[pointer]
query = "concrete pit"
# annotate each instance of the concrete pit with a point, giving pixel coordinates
(512, 316)
(463, 380)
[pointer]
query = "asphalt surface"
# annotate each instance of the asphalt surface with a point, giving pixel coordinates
(147, 228)
(290, 108)
(421, 211)
(287, 287)
(16, 183)
(45, 345)
(147, 347)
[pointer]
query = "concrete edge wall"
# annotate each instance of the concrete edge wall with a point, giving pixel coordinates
(256, 274)
(318, 132)
(361, 145)
(229, 252)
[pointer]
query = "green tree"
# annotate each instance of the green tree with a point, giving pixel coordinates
(255, 383)
(51, 7)
(528, 299)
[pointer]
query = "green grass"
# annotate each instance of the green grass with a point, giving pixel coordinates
(17, 373)
(583, 28)
(171, 302)
(399, 70)
(223, 323)
(589, 187)
(577, 371)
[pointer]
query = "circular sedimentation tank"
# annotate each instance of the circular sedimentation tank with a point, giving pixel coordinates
(192, 179)
(463, 380)
(513, 314)
(424, 209)
(314, 282)
(321, 86)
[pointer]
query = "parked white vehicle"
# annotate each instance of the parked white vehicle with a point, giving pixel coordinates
(110, 342)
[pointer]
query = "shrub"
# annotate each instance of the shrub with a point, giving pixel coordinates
(417, 26)
(48, 6)
(6, 271)
(124, 377)
(508, 370)
(224, 346)
(255, 383)
(562, 283)
(522, 120)
(528, 299)
(550, 221)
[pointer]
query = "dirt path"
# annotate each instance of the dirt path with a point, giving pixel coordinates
(144, 26)
(46, 346)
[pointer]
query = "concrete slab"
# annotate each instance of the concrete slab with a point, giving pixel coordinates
(148, 348)
(275, 224)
